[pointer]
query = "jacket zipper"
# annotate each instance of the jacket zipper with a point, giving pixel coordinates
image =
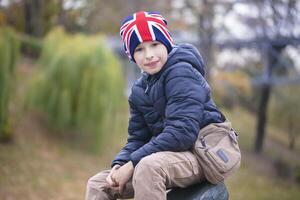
(148, 84)
(147, 89)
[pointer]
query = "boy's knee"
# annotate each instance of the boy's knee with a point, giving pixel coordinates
(91, 183)
(96, 187)
(152, 161)
(98, 180)
(148, 167)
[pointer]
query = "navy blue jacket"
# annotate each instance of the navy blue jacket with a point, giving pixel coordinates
(169, 108)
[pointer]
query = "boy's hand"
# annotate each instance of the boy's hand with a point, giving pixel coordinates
(109, 179)
(122, 175)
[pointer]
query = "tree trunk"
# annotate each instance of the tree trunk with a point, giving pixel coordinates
(271, 56)
(292, 135)
(61, 14)
(292, 144)
(262, 117)
(205, 32)
(33, 10)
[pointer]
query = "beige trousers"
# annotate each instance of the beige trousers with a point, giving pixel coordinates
(152, 176)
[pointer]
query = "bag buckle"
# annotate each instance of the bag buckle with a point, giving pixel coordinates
(233, 135)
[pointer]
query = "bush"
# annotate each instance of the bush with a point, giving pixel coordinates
(297, 175)
(78, 83)
(9, 48)
(283, 168)
(284, 111)
(231, 88)
(30, 46)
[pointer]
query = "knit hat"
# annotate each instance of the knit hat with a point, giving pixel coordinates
(144, 26)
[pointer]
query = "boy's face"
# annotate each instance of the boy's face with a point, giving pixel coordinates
(150, 56)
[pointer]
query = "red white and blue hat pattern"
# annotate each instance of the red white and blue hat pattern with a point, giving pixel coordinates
(144, 26)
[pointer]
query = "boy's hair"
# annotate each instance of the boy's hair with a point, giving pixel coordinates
(144, 26)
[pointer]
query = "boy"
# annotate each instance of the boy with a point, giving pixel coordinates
(169, 104)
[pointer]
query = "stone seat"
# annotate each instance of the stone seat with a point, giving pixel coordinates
(201, 191)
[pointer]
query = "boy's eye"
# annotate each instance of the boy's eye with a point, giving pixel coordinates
(155, 44)
(137, 49)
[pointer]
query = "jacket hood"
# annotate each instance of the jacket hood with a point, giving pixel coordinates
(186, 53)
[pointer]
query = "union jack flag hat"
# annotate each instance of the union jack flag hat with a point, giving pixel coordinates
(144, 26)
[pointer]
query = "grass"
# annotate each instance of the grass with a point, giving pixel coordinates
(257, 178)
(38, 165)
(249, 184)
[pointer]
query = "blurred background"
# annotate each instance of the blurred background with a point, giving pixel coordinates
(64, 82)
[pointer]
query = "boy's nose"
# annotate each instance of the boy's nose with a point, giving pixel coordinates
(149, 54)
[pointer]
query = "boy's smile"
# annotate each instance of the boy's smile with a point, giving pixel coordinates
(151, 56)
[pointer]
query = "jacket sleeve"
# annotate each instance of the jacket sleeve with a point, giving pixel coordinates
(138, 135)
(186, 92)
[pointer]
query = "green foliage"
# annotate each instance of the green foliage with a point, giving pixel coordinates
(79, 83)
(43, 15)
(9, 48)
(285, 111)
(13, 15)
(231, 88)
(30, 46)
(298, 175)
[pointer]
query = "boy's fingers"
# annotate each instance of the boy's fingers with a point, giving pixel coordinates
(110, 181)
(110, 178)
(121, 188)
(114, 180)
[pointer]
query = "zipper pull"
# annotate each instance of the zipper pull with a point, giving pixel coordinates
(147, 89)
(203, 142)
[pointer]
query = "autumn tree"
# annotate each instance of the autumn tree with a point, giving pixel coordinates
(284, 112)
